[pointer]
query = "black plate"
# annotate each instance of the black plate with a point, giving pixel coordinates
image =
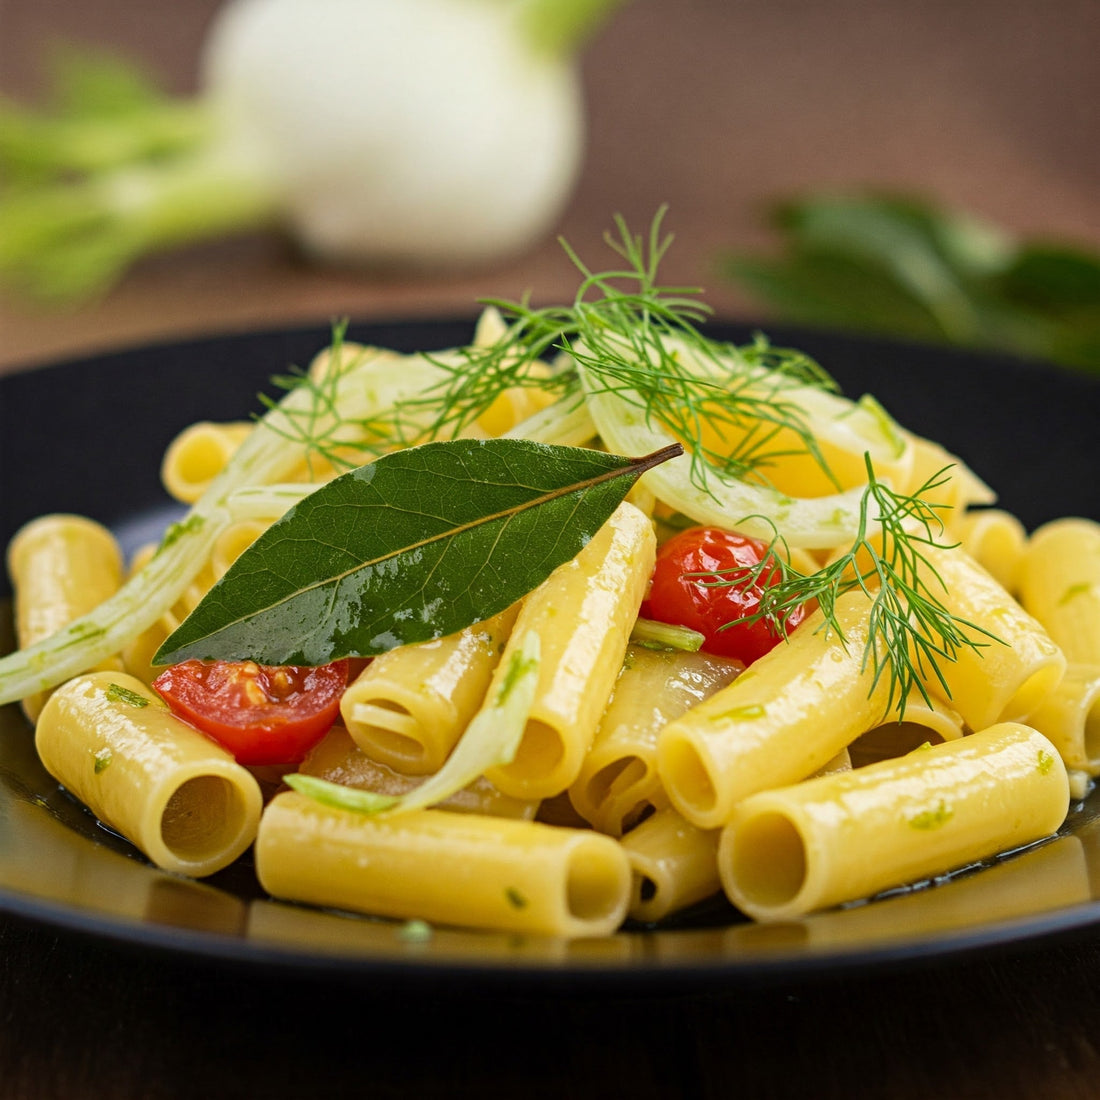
(88, 437)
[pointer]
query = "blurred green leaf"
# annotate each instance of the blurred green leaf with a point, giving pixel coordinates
(898, 266)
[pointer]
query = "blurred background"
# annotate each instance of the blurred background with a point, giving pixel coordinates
(716, 107)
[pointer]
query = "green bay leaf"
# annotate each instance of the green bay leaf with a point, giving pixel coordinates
(413, 546)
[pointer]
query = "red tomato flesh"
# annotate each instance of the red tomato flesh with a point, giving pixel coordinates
(714, 610)
(263, 714)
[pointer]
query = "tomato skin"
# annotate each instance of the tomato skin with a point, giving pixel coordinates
(262, 714)
(697, 603)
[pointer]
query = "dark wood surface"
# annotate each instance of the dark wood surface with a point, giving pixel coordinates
(85, 1019)
(714, 107)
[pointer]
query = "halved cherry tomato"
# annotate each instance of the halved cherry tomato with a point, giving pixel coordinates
(263, 714)
(714, 609)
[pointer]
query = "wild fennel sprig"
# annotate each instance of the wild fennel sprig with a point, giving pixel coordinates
(733, 408)
(331, 428)
(911, 631)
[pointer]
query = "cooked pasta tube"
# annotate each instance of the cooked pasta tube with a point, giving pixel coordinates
(812, 845)
(925, 720)
(1008, 675)
(951, 484)
(1070, 717)
(1060, 585)
(232, 543)
(781, 720)
(618, 780)
(583, 614)
(338, 759)
(464, 869)
(61, 567)
(138, 653)
(409, 706)
(674, 865)
(172, 792)
(995, 539)
(197, 455)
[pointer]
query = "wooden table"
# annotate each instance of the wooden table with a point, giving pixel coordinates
(714, 107)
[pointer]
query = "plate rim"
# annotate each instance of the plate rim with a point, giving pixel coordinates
(194, 943)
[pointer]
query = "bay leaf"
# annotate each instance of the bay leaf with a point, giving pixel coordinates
(413, 546)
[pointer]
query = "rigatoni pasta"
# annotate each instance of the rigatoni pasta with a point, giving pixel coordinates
(409, 706)
(583, 614)
(1015, 665)
(61, 566)
(575, 778)
(465, 869)
(778, 722)
(618, 781)
(791, 850)
(1060, 585)
(674, 865)
(181, 799)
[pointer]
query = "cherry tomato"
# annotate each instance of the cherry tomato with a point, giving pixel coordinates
(262, 714)
(709, 608)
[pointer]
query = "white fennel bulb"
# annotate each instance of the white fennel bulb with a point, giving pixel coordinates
(418, 131)
(374, 132)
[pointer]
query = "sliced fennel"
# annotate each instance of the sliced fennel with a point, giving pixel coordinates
(491, 740)
(365, 389)
(725, 501)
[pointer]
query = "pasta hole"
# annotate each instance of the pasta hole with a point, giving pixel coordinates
(890, 740)
(647, 888)
(768, 860)
(388, 730)
(619, 775)
(684, 770)
(204, 816)
(540, 751)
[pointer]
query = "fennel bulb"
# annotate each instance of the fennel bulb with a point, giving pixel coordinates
(375, 132)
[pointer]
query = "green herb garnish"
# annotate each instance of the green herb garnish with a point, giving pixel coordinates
(515, 898)
(116, 693)
(626, 334)
(902, 266)
(416, 545)
(910, 630)
(940, 815)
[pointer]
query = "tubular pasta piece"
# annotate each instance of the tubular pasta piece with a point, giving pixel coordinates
(674, 865)
(138, 653)
(782, 719)
(197, 455)
(459, 869)
(1070, 717)
(172, 792)
(618, 780)
(232, 543)
(409, 706)
(809, 846)
(337, 758)
(583, 614)
(61, 567)
(961, 487)
(1060, 585)
(1004, 679)
(925, 720)
(995, 539)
